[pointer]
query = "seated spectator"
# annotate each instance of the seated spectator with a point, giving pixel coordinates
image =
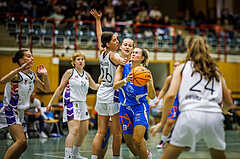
(33, 113)
(180, 42)
(155, 12)
(109, 23)
(26, 6)
(156, 110)
(143, 13)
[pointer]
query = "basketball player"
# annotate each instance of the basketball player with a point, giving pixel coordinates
(174, 113)
(134, 109)
(19, 86)
(105, 106)
(75, 83)
(201, 90)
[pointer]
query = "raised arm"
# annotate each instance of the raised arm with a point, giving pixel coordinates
(45, 87)
(92, 83)
(60, 89)
(13, 75)
(98, 16)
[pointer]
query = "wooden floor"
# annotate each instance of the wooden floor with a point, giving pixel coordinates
(39, 148)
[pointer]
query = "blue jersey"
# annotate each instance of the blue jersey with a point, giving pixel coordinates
(130, 94)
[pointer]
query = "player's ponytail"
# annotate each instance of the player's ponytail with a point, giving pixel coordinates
(18, 55)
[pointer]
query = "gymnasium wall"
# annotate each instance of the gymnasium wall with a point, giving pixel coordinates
(160, 70)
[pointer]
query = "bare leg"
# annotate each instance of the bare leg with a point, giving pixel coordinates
(103, 151)
(82, 132)
(130, 143)
(217, 154)
(102, 129)
(168, 127)
(138, 136)
(171, 151)
(73, 127)
(20, 144)
(117, 135)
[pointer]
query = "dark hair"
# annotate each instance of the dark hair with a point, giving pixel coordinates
(18, 55)
(106, 38)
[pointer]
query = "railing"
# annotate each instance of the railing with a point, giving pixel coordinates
(157, 42)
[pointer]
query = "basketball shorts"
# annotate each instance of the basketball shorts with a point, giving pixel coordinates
(174, 112)
(75, 111)
(9, 116)
(130, 116)
(192, 126)
(107, 109)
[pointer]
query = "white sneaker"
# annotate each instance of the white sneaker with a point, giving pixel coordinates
(149, 154)
(26, 135)
(78, 157)
(43, 135)
(9, 136)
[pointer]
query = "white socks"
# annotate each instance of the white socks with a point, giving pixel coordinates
(68, 152)
(164, 138)
(94, 157)
(75, 150)
(116, 157)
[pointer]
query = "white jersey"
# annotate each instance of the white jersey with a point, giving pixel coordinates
(105, 92)
(77, 87)
(17, 94)
(197, 93)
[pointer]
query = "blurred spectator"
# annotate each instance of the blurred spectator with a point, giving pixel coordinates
(166, 22)
(157, 20)
(49, 10)
(155, 12)
(134, 5)
(33, 113)
(187, 19)
(199, 18)
(26, 7)
(13, 6)
(143, 3)
(109, 8)
(82, 12)
(143, 13)
(3, 6)
(109, 23)
(180, 42)
(59, 12)
(71, 9)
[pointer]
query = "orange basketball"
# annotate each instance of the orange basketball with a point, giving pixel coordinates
(141, 76)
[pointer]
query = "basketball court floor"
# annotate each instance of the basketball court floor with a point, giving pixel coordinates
(39, 148)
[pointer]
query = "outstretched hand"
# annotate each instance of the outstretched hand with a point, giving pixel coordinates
(96, 14)
(27, 65)
(155, 128)
(48, 109)
(42, 70)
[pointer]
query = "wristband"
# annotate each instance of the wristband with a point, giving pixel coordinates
(125, 80)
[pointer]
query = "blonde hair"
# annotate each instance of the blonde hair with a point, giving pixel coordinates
(145, 53)
(77, 54)
(202, 61)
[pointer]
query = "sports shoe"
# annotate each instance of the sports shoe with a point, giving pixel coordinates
(43, 135)
(78, 157)
(149, 154)
(161, 145)
(9, 136)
